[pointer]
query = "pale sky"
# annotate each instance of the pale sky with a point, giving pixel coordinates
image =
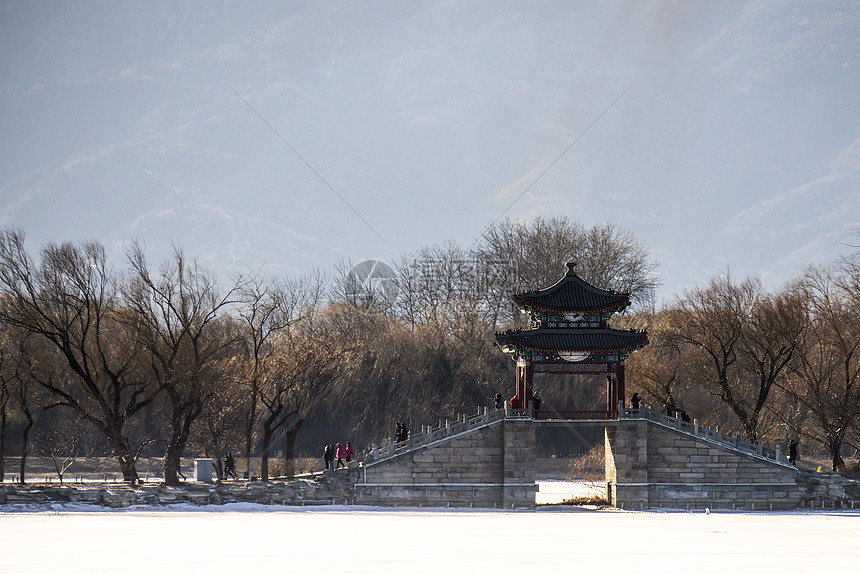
(737, 145)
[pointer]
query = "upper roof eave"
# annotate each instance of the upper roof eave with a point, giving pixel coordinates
(572, 293)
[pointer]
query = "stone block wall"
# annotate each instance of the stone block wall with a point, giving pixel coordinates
(491, 467)
(520, 457)
(331, 487)
(649, 466)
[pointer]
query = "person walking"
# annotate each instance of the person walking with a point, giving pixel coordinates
(348, 452)
(339, 456)
(792, 452)
(229, 466)
(328, 457)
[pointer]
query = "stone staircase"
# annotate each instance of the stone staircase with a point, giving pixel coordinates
(430, 435)
(732, 443)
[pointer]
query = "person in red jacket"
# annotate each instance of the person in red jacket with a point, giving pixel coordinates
(349, 453)
(339, 456)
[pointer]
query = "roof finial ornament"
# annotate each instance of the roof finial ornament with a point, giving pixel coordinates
(571, 267)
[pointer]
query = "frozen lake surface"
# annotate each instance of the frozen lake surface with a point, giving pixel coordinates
(251, 538)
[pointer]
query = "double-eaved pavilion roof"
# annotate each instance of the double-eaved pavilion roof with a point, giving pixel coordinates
(592, 341)
(562, 338)
(571, 294)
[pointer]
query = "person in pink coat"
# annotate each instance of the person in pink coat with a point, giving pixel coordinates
(340, 456)
(349, 453)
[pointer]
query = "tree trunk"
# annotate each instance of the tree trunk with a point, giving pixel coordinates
(834, 445)
(171, 462)
(126, 458)
(264, 457)
(249, 429)
(290, 447)
(2, 441)
(25, 446)
(183, 418)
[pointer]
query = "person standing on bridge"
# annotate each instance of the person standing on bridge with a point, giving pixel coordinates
(328, 457)
(634, 401)
(499, 402)
(348, 452)
(792, 452)
(339, 457)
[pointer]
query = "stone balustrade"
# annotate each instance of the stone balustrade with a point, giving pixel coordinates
(711, 435)
(429, 434)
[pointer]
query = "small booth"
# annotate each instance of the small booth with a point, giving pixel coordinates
(203, 469)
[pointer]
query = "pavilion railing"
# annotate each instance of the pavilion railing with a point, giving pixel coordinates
(552, 414)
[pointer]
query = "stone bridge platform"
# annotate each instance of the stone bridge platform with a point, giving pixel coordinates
(652, 460)
(488, 460)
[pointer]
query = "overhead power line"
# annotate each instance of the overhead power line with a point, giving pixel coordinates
(556, 160)
(310, 167)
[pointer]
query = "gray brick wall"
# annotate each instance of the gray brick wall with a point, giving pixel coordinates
(649, 466)
(492, 466)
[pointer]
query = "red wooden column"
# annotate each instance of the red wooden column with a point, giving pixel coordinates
(525, 380)
(611, 392)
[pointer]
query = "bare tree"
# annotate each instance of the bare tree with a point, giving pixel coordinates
(612, 258)
(658, 370)
(62, 441)
(24, 363)
(6, 392)
(224, 415)
(269, 309)
(519, 257)
(305, 361)
(769, 339)
(301, 371)
(69, 301)
(174, 315)
(712, 320)
(826, 370)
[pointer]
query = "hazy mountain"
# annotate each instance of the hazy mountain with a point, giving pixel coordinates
(738, 144)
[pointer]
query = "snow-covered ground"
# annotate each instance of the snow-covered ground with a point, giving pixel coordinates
(251, 538)
(556, 491)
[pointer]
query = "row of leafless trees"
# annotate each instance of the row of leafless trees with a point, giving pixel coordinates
(164, 360)
(159, 359)
(776, 364)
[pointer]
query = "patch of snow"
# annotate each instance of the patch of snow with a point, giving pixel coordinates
(248, 537)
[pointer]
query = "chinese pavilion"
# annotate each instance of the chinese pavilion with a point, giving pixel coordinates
(569, 336)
